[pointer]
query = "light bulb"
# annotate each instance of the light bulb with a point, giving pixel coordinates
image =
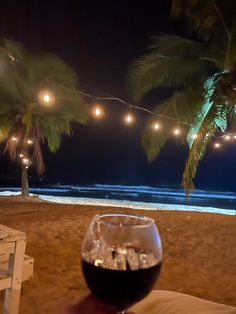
(194, 136)
(176, 132)
(25, 161)
(217, 145)
(129, 118)
(29, 142)
(156, 126)
(97, 112)
(14, 139)
(21, 155)
(227, 137)
(46, 98)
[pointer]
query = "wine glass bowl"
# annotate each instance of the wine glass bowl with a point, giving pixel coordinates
(121, 258)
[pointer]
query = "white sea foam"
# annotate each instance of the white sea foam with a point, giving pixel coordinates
(118, 203)
(154, 191)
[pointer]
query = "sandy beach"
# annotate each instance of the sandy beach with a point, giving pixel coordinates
(199, 251)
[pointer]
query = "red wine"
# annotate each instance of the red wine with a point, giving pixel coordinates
(121, 288)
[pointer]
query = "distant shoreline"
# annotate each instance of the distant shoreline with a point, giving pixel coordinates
(134, 205)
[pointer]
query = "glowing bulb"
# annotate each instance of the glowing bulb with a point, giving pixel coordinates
(217, 145)
(129, 118)
(29, 142)
(235, 136)
(98, 112)
(46, 98)
(21, 155)
(25, 161)
(176, 132)
(156, 126)
(14, 139)
(227, 137)
(194, 136)
(26, 167)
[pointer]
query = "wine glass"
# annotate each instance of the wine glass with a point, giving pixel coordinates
(121, 258)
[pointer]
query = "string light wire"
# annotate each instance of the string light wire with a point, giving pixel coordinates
(130, 106)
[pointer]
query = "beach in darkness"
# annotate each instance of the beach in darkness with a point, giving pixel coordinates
(199, 250)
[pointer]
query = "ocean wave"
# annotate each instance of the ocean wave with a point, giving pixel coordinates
(135, 205)
(124, 189)
(145, 194)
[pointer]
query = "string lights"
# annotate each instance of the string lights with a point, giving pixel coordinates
(217, 145)
(25, 161)
(46, 98)
(176, 132)
(156, 126)
(129, 118)
(97, 111)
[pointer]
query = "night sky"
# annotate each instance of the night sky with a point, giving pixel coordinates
(100, 39)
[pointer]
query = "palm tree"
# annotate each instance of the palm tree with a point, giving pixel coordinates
(203, 74)
(38, 101)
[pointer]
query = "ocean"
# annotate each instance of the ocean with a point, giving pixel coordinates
(138, 196)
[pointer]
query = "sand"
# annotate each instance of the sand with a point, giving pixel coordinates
(199, 251)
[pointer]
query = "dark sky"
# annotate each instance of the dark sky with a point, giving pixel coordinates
(100, 39)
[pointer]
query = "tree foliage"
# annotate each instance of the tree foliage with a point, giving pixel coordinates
(23, 76)
(203, 74)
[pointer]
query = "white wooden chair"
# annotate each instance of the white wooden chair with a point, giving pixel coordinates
(15, 267)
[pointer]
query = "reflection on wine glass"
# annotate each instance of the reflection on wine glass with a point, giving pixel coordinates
(121, 258)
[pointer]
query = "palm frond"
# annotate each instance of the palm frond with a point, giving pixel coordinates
(173, 62)
(22, 77)
(6, 126)
(209, 88)
(195, 155)
(11, 146)
(14, 50)
(230, 58)
(173, 46)
(182, 106)
(28, 117)
(233, 121)
(214, 120)
(37, 155)
(46, 70)
(208, 18)
(51, 133)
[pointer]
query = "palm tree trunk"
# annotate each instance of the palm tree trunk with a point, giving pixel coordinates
(24, 181)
